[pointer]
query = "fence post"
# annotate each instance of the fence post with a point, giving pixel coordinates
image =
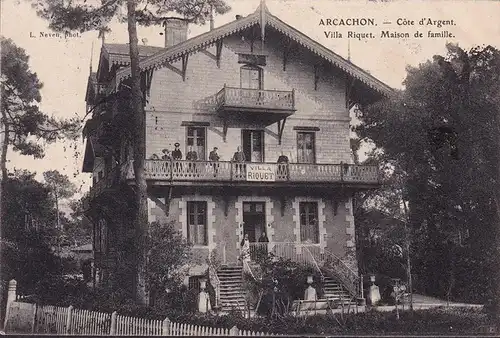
(68, 319)
(166, 327)
(33, 324)
(234, 331)
(112, 330)
(11, 297)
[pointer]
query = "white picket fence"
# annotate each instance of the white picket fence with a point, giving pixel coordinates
(61, 320)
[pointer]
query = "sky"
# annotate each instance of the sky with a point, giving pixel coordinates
(62, 64)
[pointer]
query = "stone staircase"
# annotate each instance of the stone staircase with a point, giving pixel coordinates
(232, 295)
(334, 290)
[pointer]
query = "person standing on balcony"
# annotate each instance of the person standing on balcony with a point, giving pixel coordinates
(283, 168)
(239, 157)
(191, 156)
(177, 156)
(166, 155)
(214, 157)
(282, 158)
(177, 153)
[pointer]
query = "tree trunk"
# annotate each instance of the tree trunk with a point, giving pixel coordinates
(3, 163)
(496, 226)
(139, 146)
(58, 219)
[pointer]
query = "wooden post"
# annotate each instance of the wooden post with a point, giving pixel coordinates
(166, 327)
(112, 330)
(11, 297)
(68, 319)
(234, 331)
(33, 324)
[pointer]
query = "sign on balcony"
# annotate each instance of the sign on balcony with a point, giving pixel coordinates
(261, 172)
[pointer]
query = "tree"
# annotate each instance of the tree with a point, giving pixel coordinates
(441, 136)
(77, 227)
(61, 188)
(21, 118)
(85, 17)
(170, 254)
(25, 249)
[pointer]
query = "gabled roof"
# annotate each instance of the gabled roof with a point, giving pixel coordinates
(92, 150)
(263, 18)
(118, 54)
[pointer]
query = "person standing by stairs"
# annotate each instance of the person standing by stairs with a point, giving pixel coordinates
(245, 249)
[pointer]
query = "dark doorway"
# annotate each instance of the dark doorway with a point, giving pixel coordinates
(254, 220)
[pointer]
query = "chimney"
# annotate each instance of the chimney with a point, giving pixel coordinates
(238, 17)
(211, 18)
(175, 32)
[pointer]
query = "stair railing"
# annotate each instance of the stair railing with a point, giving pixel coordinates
(332, 264)
(323, 261)
(248, 269)
(315, 263)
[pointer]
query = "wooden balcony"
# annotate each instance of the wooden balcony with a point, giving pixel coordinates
(107, 182)
(255, 100)
(179, 172)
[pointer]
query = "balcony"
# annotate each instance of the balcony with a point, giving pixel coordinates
(255, 100)
(107, 182)
(181, 172)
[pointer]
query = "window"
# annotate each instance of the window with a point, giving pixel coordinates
(194, 283)
(306, 148)
(309, 232)
(253, 145)
(251, 77)
(196, 140)
(197, 222)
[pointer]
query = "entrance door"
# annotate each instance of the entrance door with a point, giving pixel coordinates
(254, 220)
(253, 145)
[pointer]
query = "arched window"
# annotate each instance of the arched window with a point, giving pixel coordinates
(251, 77)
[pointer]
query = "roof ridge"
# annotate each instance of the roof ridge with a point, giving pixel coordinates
(195, 43)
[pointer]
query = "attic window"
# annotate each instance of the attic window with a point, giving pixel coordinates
(252, 59)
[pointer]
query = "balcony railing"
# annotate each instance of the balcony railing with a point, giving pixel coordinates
(255, 99)
(257, 172)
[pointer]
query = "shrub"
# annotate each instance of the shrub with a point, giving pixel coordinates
(434, 321)
(282, 282)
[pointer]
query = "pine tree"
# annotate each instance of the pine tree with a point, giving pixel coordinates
(21, 116)
(64, 16)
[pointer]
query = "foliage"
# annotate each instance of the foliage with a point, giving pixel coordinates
(59, 184)
(282, 282)
(21, 116)
(85, 17)
(169, 255)
(449, 321)
(438, 141)
(26, 253)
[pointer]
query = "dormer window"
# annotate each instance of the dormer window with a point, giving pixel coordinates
(251, 77)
